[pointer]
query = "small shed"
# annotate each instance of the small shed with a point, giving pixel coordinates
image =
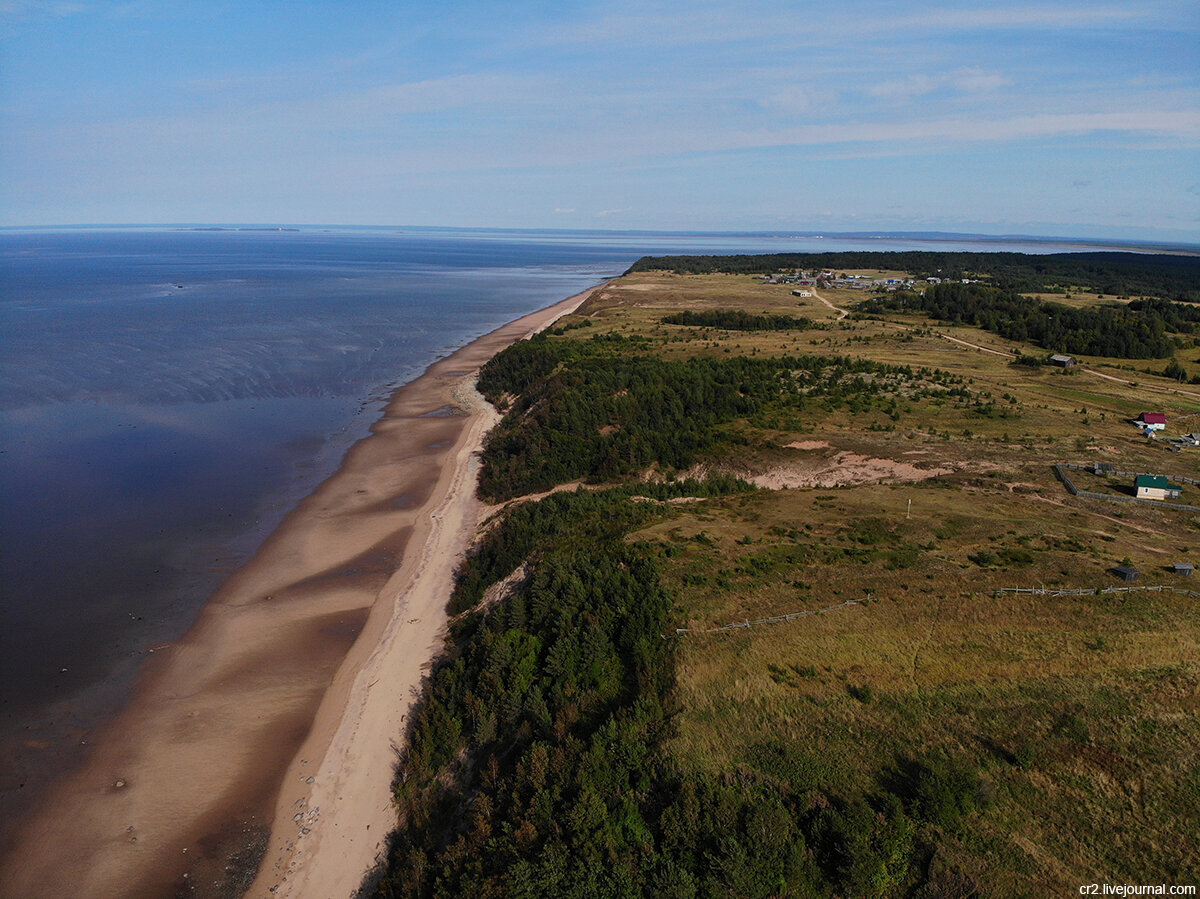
(1125, 573)
(1062, 361)
(1183, 568)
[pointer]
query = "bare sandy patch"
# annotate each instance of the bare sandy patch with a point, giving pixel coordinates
(846, 469)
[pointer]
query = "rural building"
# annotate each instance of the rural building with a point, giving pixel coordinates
(1125, 573)
(1184, 568)
(1062, 361)
(1155, 486)
(1152, 421)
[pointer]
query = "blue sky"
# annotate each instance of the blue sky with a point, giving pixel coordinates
(1072, 118)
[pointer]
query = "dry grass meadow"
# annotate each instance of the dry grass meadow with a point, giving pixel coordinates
(1080, 712)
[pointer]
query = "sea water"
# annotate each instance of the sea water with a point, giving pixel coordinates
(166, 396)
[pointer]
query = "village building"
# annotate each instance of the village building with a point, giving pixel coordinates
(1152, 486)
(1062, 361)
(1183, 568)
(1152, 421)
(1125, 573)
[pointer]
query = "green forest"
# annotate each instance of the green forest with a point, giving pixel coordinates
(549, 753)
(536, 764)
(583, 410)
(1137, 330)
(1165, 276)
(737, 320)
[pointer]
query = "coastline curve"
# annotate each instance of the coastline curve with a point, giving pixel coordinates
(281, 692)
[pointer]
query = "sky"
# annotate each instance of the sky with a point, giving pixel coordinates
(1043, 118)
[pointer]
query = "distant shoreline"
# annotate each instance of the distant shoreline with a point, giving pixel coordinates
(1068, 243)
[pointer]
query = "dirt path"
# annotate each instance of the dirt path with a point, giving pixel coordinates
(1090, 371)
(1176, 390)
(976, 346)
(842, 313)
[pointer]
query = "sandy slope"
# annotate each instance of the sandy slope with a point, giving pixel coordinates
(280, 709)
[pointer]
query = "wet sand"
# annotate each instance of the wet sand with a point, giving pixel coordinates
(265, 740)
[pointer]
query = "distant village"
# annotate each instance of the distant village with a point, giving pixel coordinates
(849, 282)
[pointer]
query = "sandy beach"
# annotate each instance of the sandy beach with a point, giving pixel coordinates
(271, 730)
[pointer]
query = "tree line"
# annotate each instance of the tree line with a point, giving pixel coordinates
(737, 320)
(538, 762)
(1161, 275)
(1134, 331)
(598, 409)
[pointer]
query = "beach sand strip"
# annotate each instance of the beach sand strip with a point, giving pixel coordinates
(265, 740)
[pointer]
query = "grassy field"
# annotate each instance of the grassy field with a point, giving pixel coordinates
(1078, 713)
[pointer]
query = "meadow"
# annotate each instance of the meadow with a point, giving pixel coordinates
(938, 736)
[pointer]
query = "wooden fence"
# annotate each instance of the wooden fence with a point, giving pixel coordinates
(792, 616)
(1037, 591)
(1097, 468)
(1116, 497)
(1092, 591)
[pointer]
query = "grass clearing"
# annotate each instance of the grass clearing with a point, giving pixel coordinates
(1079, 713)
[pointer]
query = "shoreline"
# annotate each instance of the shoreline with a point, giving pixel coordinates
(270, 691)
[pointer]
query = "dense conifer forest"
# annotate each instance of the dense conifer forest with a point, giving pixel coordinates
(536, 764)
(1137, 330)
(738, 320)
(581, 409)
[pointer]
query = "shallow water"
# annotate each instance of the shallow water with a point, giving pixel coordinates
(165, 398)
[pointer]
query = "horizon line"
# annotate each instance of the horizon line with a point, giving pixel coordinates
(808, 234)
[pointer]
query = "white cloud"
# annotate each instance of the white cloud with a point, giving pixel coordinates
(779, 25)
(797, 99)
(1182, 125)
(969, 80)
(1014, 17)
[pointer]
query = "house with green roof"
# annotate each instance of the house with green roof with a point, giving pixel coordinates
(1154, 486)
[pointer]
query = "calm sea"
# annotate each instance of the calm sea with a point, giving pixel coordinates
(167, 396)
